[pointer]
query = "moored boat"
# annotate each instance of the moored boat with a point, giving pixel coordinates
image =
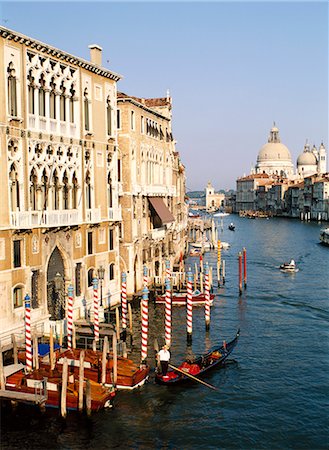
(179, 298)
(231, 227)
(214, 358)
(324, 236)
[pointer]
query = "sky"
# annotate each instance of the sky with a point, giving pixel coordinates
(232, 69)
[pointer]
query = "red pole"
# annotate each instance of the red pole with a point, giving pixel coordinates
(245, 267)
(240, 273)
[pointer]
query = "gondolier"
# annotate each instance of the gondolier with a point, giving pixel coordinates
(164, 357)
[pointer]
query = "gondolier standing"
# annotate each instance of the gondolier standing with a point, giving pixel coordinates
(164, 356)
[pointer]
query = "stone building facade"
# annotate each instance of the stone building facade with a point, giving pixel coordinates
(153, 192)
(59, 210)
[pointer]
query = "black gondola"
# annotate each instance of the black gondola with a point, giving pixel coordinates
(231, 227)
(214, 358)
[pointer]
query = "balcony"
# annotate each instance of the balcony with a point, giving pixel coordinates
(35, 219)
(158, 233)
(93, 215)
(115, 214)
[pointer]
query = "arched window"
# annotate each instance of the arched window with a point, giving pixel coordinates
(109, 191)
(90, 277)
(62, 102)
(56, 191)
(12, 92)
(42, 96)
(111, 271)
(18, 297)
(33, 190)
(86, 110)
(75, 192)
(44, 189)
(52, 99)
(65, 192)
(14, 189)
(72, 94)
(109, 116)
(31, 88)
(88, 191)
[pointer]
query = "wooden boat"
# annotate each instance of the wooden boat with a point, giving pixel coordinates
(195, 252)
(129, 375)
(324, 236)
(48, 382)
(199, 366)
(179, 298)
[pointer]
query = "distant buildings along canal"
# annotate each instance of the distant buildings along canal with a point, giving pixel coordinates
(274, 186)
(91, 183)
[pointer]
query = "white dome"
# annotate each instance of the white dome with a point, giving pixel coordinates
(306, 159)
(273, 151)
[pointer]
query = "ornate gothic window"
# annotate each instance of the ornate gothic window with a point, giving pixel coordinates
(44, 189)
(14, 189)
(75, 192)
(72, 94)
(62, 101)
(65, 192)
(88, 191)
(109, 116)
(109, 191)
(31, 89)
(86, 110)
(111, 271)
(42, 96)
(52, 99)
(90, 277)
(12, 91)
(56, 191)
(33, 190)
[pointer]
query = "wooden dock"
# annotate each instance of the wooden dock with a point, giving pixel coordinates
(37, 399)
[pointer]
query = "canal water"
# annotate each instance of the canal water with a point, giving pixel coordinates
(272, 394)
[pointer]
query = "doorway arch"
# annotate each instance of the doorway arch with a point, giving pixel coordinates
(56, 286)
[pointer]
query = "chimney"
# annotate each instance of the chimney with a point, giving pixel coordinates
(96, 54)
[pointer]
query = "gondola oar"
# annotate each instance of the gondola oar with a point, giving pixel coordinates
(193, 378)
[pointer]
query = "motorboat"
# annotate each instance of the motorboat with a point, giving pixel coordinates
(324, 236)
(221, 214)
(289, 267)
(225, 245)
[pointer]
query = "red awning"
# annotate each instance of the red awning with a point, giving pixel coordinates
(161, 209)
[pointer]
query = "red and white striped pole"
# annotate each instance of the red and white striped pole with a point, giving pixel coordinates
(168, 314)
(168, 271)
(145, 320)
(28, 340)
(124, 304)
(240, 273)
(189, 306)
(145, 276)
(69, 316)
(207, 295)
(96, 317)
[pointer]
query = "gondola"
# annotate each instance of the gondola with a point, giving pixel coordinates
(214, 358)
(231, 227)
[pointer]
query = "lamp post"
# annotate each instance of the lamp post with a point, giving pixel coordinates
(100, 273)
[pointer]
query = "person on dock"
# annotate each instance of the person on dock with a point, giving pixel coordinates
(164, 357)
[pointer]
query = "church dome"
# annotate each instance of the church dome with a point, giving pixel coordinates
(274, 150)
(306, 159)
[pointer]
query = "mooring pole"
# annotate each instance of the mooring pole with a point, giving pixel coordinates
(240, 273)
(207, 295)
(168, 314)
(69, 316)
(28, 339)
(245, 267)
(96, 317)
(144, 325)
(189, 307)
(124, 304)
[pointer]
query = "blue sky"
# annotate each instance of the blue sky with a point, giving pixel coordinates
(232, 69)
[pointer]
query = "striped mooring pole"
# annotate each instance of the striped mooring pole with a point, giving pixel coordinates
(189, 306)
(69, 316)
(168, 314)
(145, 276)
(96, 317)
(145, 320)
(218, 261)
(168, 273)
(240, 273)
(124, 308)
(28, 340)
(207, 295)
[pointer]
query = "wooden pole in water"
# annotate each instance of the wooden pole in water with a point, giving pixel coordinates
(117, 322)
(88, 397)
(207, 295)
(74, 343)
(69, 316)
(81, 378)
(28, 340)
(51, 350)
(64, 387)
(189, 307)
(223, 271)
(240, 273)
(35, 352)
(145, 276)
(124, 304)
(61, 335)
(245, 267)
(168, 314)
(130, 318)
(104, 359)
(144, 325)
(218, 262)
(115, 358)
(2, 373)
(96, 317)
(15, 354)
